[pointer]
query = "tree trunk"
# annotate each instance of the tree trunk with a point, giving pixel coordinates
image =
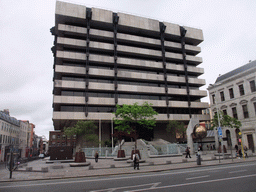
(135, 139)
(120, 146)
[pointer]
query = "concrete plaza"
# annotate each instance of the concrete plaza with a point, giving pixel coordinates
(108, 166)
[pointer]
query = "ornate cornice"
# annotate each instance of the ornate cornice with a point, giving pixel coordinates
(242, 102)
(224, 107)
(233, 105)
(253, 99)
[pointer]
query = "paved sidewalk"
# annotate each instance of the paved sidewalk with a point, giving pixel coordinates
(105, 167)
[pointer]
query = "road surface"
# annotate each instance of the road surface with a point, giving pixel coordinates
(231, 177)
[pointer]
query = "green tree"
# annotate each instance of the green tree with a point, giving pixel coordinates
(175, 127)
(84, 131)
(225, 121)
(130, 117)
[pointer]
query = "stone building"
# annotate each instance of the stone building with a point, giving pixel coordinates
(234, 93)
(9, 134)
(103, 58)
(24, 129)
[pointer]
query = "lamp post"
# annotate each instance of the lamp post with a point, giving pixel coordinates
(112, 132)
(242, 148)
(219, 126)
(219, 136)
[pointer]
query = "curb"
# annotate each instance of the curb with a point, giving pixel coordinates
(140, 171)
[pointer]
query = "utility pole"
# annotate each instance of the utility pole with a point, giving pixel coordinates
(219, 136)
(11, 163)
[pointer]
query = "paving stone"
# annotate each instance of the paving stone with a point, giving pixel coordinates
(103, 167)
(29, 168)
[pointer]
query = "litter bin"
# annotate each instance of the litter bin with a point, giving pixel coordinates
(198, 157)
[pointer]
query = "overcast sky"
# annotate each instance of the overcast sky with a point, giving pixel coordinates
(26, 60)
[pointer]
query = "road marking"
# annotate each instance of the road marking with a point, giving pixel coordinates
(215, 171)
(123, 178)
(195, 183)
(153, 185)
(197, 177)
(238, 171)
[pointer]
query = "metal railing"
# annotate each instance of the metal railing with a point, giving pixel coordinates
(103, 151)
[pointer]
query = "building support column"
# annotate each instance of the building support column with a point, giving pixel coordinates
(88, 19)
(100, 134)
(162, 31)
(115, 24)
(183, 33)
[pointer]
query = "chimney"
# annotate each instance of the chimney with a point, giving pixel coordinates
(6, 111)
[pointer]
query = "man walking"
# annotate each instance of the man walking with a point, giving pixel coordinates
(96, 156)
(188, 153)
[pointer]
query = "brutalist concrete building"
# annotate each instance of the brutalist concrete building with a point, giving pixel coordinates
(103, 58)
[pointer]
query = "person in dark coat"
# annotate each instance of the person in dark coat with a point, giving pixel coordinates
(240, 153)
(96, 156)
(236, 147)
(188, 152)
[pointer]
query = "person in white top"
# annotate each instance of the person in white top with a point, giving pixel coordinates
(136, 159)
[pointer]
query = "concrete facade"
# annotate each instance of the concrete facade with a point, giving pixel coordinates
(234, 93)
(103, 58)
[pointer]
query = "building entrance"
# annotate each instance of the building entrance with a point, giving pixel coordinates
(250, 142)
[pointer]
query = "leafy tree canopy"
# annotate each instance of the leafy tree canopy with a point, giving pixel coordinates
(128, 116)
(85, 129)
(176, 127)
(225, 121)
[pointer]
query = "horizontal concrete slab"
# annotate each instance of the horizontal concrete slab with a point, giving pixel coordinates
(129, 62)
(111, 101)
(127, 88)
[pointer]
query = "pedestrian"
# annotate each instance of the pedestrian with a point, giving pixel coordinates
(245, 152)
(211, 146)
(136, 161)
(237, 154)
(96, 156)
(188, 152)
(208, 147)
(236, 147)
(240, 153)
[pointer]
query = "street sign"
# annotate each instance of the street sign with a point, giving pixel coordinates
(220, 131)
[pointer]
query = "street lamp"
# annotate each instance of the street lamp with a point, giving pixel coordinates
(219, 129)
(219, 132)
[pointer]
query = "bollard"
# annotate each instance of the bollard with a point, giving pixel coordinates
(90, 167)
(198, 157)
(29, 168)
(44, 169)
(184, 160)
(198, 160)
(151, 163)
